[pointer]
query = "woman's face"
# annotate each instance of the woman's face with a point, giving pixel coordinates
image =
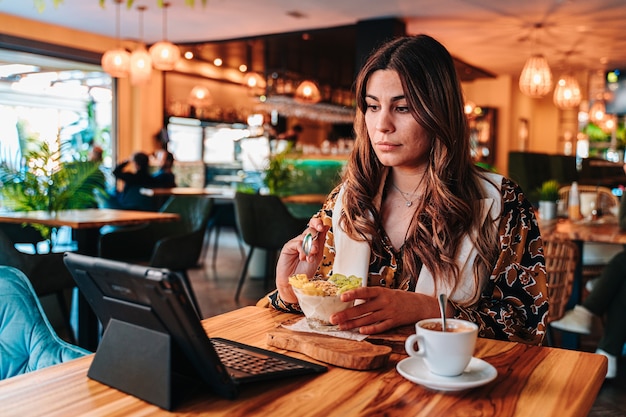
(398, 140)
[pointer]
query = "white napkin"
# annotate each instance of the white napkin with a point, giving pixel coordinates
(303, 326)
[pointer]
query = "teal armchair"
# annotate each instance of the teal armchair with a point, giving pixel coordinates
(45, 271)
(27, 340)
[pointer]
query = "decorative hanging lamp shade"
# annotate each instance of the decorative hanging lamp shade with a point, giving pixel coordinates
(140, 60)
(164, 55)
(254, 80)
(308, 92)
(116, 63)
(140, 66)
(597, 111)
(567, 93)
(536, 78)
(200, 96)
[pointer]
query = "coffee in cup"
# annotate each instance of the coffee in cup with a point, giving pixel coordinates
(445, 353)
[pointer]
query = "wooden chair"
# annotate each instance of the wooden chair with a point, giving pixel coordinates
(606, 202)
(561, 257)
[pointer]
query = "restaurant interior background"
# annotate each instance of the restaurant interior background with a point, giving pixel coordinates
(288, 42)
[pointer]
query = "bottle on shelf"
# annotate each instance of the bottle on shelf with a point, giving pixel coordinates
(573, 204)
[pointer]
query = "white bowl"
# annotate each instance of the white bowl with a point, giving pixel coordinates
(318, 308)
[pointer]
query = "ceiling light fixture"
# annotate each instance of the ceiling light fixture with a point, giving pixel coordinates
(140, 60)
(597, 111)
(200, 96)
(164, 54)
(567, 93)
(255, 82)
(116, 62)
(308, 92)
(536, 78)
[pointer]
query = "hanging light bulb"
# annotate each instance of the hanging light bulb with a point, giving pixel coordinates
(140, 60)
(255, 82)
(200, 96)
(116, 62)
(308, 92)
(536, 78)
(597, 111)
(164, 54)
(567, 93)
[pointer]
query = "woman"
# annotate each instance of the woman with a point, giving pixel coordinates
(135, 174)
(164, 177)
(417, 217)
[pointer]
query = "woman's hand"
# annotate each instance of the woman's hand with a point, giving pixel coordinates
(292, 259)
(383, 309)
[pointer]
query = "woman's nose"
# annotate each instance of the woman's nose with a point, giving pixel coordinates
(383, 121)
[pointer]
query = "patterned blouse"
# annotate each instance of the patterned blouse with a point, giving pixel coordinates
(513, 304)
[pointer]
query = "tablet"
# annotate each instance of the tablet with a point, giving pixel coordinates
(153, 336)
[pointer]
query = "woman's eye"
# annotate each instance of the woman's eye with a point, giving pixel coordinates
(373, 107)
(402, 109)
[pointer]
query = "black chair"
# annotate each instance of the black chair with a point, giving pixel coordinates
(222, 216)
(22, 234)
(174, 245)
(265, 223)
(46, 272)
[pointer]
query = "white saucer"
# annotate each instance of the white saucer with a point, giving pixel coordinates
(477, 373)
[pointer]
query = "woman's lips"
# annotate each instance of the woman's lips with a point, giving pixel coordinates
(387, 146)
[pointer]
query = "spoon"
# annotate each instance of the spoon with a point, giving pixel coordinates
(443, 301)
(307, 243)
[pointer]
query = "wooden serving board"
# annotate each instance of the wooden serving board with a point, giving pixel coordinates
(350, 354)
(394, 339)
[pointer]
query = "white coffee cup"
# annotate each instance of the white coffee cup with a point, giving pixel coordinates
(445, 353)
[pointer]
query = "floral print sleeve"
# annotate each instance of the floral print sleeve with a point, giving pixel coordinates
(514, 303)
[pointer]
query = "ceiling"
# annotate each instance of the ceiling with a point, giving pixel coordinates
(494, 35)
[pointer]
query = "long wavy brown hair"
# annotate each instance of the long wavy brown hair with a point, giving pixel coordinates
(448, 210)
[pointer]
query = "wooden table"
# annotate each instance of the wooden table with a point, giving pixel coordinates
(532, 381)
(86, 224)
(193, 191)
(87, 218)
(604, 230)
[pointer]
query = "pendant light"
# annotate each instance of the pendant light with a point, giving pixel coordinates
(253, 80)
(140, 60)
(597, 111)
(164, 54)
(200, 97)
(116, 62)
(308, 92)
(536, 78)
(567, 93)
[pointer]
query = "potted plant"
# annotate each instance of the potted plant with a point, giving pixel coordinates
(548, 196)
(280, 173)
(41, 180)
